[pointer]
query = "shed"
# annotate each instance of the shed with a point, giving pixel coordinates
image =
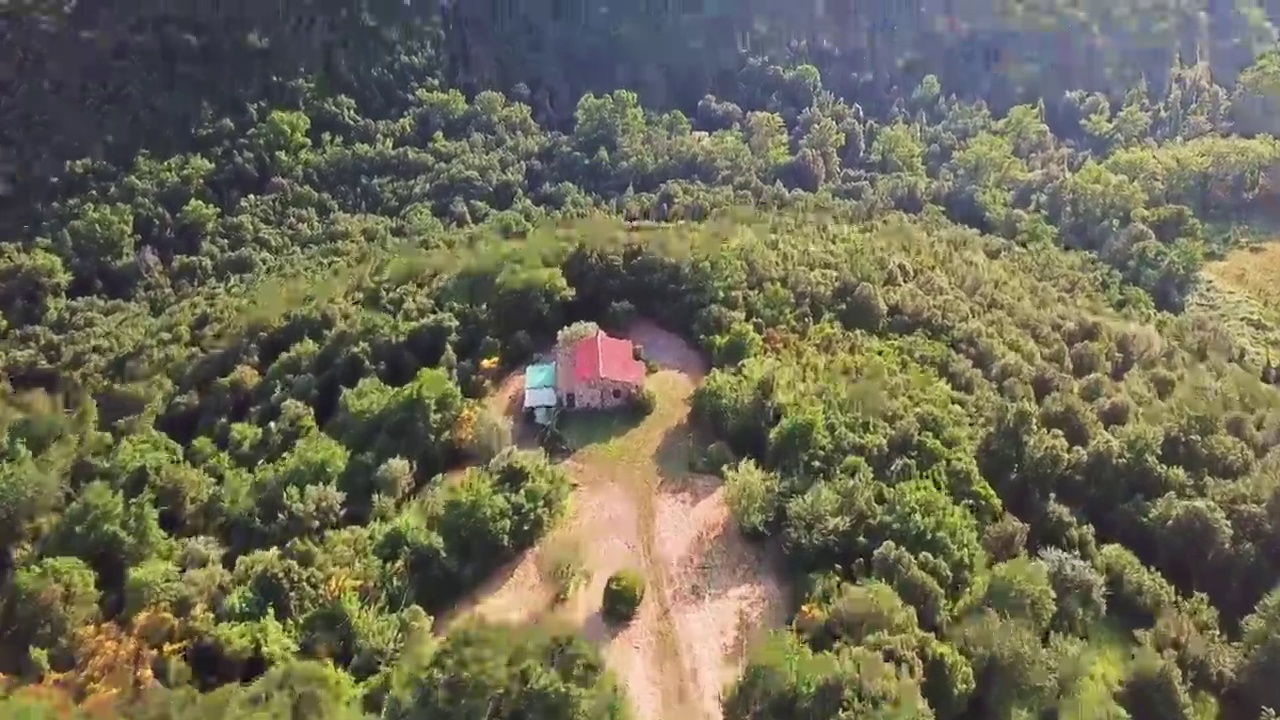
(539, 397)
(540, 391)
(542, 401)
(541, 375)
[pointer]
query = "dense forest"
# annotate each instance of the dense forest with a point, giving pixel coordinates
(967, 378)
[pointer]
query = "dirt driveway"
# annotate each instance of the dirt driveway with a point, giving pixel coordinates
(638, 505)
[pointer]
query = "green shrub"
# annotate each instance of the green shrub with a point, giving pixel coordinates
(623, 594)
(754, 497)
(575, 332)
(619, 315)
(644, 402)
(562, 563)
(489, 436)
(713, 461)
(510, 224)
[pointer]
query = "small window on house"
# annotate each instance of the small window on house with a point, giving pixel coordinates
(617, 394)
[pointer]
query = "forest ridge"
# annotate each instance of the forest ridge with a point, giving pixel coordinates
(262, 276)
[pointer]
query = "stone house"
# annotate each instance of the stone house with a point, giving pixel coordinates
(598, 372)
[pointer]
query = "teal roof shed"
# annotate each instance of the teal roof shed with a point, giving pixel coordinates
(540, 376)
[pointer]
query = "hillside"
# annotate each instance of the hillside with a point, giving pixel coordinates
(951, 416)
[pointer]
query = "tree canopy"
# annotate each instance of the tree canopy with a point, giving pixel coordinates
(967, 373)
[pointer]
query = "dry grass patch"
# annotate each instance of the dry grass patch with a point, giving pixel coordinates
(709, 590)
(725, 590)
(1240, 297)
(1253, 270)
(633, 456)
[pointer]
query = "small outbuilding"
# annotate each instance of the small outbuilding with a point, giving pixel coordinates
(540, 391)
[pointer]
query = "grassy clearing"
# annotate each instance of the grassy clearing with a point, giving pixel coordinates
(639, 455)
(1253, 270)
(1240, 295)
(627, 470)
(600, 434)
(1238, 314)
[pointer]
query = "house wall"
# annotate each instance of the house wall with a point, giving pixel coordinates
(599, 394)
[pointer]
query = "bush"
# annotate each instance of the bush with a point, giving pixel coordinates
(489, 436)
(619, 315)
(714, 459)
(511, 224)
(754, 497)
(623, 594)
(575, 332)
(562, 563)
(644, 402)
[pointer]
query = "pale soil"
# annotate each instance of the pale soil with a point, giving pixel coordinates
(668, 350)
(723, 591)
(637, 505)
(505, 404)
(503, 401)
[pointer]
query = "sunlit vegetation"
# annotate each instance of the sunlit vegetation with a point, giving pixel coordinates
(972, 375)
(1252, 270)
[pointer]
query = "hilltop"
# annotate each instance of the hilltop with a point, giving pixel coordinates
(964, 402)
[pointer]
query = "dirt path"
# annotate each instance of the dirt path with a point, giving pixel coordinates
(723, 591)
(637, 505)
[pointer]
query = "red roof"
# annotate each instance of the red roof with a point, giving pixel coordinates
(608, 358)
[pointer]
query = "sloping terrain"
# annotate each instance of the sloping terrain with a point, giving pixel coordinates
(247, 331)
(1253, 269)
(638, 505)
(1241, 294)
